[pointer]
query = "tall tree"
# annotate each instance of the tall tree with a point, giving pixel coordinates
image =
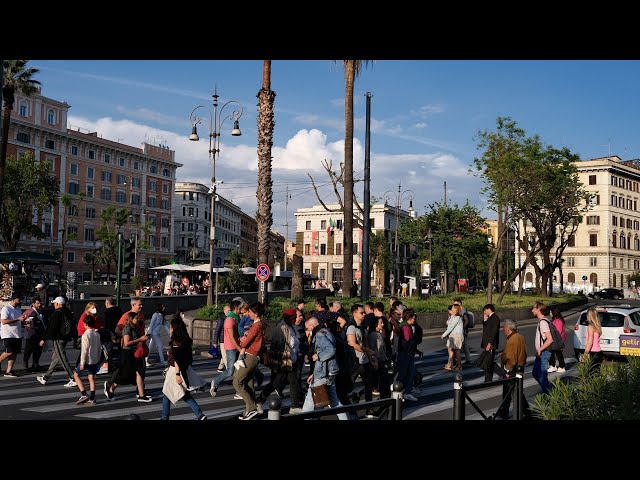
(352, 69)
(266, 123)
(112, 221)
(30, 188)
(17, 78)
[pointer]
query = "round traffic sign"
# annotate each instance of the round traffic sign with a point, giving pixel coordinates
(263, 272)
(584, 277)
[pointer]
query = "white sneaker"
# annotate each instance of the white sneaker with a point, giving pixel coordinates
(237, 397)
(552, 369)
(410, 397)
(561, 370)
(41, 379)
(259, 409)
(71, 383)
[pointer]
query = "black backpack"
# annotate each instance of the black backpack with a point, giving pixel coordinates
(417, 335)
(558, 344)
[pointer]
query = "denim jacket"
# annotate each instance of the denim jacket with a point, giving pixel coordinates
(326, 368)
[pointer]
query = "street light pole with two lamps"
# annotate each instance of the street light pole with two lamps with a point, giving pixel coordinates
(398, 197)
(216, 120)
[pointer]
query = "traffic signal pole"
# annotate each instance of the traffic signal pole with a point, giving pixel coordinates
(119, 270)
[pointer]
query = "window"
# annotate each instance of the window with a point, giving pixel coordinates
(338, 248)
(152, 186)
(92, 154)
(592, 179)
(165, 172)
(165, 188)
(90, 191)
(339, 224)
(106, 176)
(153, 202)
(73, 169)
(629, 223)
(571, 262)
(622, 241)
(323, 249)
(105, 194)
(135, 199)
(71, 257)
(91, 173)
(72, 210)
(164, 222)
(121, 197)
(593, 220)
(593, 261)
(153, 221)
(594, 200)
(307, 249)
(135, 182)
(50, 144)
(121, 179)
(323, 224)
(136, 165)
(51, 117)
(614, 200)
(72, 229)
(90, 212)
(23, 137)
(593, 240)
(47, 230)
(121, 162)
(572, 241)
(355, 249)
(571, 278)
(593, 278)
(308, 225)
(23, 108)
(165, 204)
(164, 242)
(153, 169)
(372, 222)
(89, 235)
(74, 188)
(614, 241)
(614, 221)
(613, 262)
(74, 150)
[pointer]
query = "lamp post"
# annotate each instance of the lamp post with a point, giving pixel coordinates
(429, 237)
(216, 120)
(398, 198)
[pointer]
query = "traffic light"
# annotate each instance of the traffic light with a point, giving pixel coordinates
(129, 256)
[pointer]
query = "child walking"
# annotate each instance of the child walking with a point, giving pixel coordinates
(89, 363)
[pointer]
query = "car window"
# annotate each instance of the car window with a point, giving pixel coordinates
(607, 319)
(635, 317)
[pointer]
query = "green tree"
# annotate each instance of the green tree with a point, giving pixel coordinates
(17, 77)
(112, 221)
(379, 253)
(30, 187)
(72, 209)
(264, 194)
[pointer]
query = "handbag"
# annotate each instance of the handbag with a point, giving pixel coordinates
(213, 351)
(142, 351)
(320, 395)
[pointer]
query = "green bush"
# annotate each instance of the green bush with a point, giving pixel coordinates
(610, 393)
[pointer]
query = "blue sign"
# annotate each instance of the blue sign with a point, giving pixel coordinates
(584, 277)
(219, 261)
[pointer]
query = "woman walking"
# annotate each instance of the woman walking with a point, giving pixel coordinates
(180, 379)
(558, 322)
(594, 330)
(455, 332)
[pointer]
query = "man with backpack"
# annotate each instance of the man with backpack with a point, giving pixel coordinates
(468, 322)
(543, 341)
(59, 331)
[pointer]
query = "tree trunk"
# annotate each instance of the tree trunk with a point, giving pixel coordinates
(347, 264)
(297, 285)
(8, 97)
(266, 123)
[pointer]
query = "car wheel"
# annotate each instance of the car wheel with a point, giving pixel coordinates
(597, 297)
(617, 297)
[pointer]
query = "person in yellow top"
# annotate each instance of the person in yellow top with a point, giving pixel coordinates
(514, 354)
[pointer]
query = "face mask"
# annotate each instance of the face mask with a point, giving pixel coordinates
(93, 311)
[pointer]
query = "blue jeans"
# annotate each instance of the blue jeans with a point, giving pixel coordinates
(166, 406)
(232, 357)
(406, 371)
(333, 399)
(539, 372)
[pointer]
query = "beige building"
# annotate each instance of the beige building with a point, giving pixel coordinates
(606, 247)
(110, 173)
(319, 240)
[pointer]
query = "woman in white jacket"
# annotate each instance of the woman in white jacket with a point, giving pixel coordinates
(157, 323)
(455, 332)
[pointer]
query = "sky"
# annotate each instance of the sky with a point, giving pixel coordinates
(425, 116)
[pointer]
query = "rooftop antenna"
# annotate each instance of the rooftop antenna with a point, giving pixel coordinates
(608, 145)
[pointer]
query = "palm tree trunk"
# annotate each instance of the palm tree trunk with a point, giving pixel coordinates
(6, 118)
(347, 264)
(266, 123)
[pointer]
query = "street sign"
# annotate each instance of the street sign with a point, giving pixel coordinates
(219, 261)
(263, 272)
(584, 277)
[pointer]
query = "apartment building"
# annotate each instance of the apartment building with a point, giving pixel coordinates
(320, 241)
(110, 173)
(605, 249)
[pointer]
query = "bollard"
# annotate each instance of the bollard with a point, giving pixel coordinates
(458, 398)
(397, 391)
(274, 409)
(518, 403)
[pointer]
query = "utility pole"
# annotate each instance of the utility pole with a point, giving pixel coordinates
(365, 277)
(119, 269)
(445, 194)
(286, 214)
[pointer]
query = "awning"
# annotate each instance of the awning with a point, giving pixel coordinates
(28, 257)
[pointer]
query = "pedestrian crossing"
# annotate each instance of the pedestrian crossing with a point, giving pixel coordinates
(25, 398)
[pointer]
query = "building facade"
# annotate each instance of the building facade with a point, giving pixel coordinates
(605, 249)
(320, 241)
(140, 179)
(248, 236)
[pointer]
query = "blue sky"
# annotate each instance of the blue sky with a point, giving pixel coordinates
(425, 115)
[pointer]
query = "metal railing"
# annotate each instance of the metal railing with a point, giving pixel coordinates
(391, 407)
(516, 390)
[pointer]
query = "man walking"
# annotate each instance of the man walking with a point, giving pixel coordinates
(231, 345)
(490, 336)
(543, 340)
(514, 355)
(11, 318)
(56, 333)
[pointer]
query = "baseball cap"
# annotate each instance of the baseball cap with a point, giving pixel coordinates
(59, 300)
(289, 312)
(39, 285)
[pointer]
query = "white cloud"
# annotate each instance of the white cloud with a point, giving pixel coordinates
(153, 116)
(420, 125)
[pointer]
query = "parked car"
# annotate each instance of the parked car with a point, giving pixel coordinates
(608, 293)
(529, 291)
(615, 320)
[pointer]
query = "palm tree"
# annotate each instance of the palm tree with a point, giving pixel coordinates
(15, 78)
(352, 69)
(264, 218)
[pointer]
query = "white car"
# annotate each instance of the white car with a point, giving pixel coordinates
(616, 320)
